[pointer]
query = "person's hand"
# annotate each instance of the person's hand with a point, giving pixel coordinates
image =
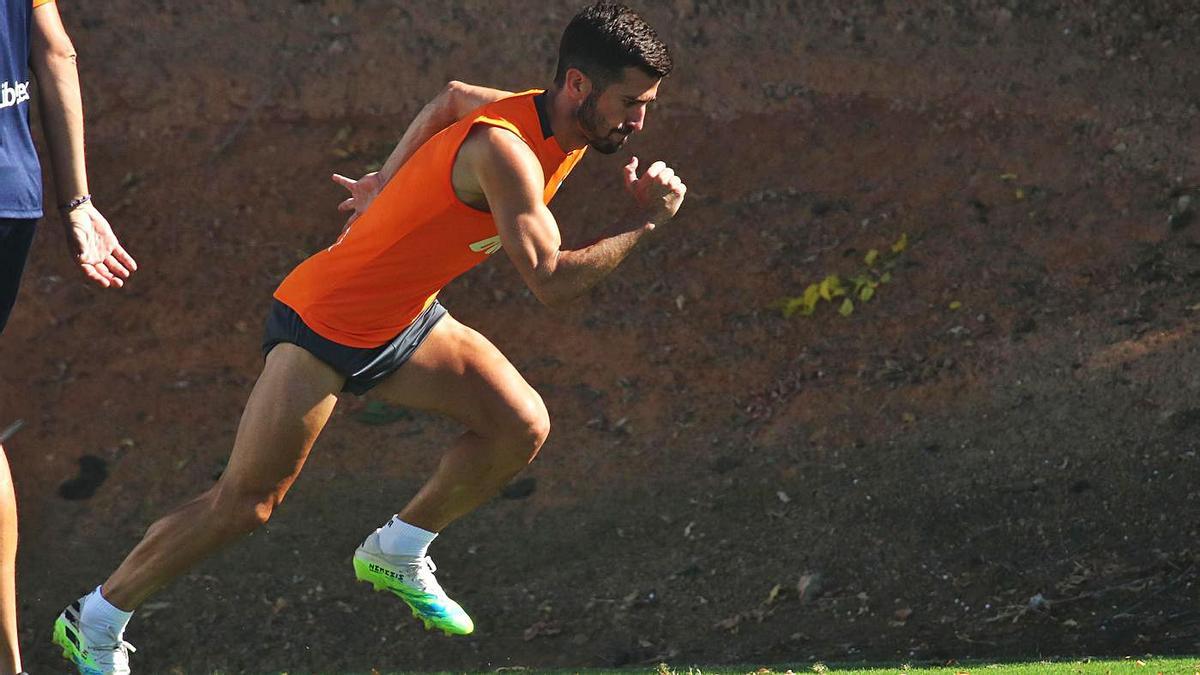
(100, 256)
(658, 192)
(362, 193)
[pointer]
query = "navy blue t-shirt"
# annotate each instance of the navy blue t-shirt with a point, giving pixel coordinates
(20, 173)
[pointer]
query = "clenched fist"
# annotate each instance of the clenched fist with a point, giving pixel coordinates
(658, 192)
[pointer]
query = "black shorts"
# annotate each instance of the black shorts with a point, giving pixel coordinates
(16, 235)
(363, 368)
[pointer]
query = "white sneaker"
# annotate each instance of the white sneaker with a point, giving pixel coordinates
(411, 579)
(90, 658)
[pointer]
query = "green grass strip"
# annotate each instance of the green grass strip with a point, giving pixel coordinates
(1128, 666)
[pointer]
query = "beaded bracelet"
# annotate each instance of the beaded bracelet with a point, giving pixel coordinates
(76, 203)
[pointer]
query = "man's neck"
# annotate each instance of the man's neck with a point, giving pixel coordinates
(562, 122)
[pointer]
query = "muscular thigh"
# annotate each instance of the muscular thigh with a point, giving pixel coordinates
(289, 406)
(460, 373)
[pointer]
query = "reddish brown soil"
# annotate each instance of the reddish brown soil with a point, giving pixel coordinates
(936, 468)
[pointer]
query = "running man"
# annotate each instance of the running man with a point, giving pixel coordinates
(32, 34)
(363, 315)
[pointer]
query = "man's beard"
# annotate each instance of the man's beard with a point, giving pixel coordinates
(606, 141)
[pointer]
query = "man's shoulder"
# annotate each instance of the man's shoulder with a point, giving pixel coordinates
(501, 154)
(495, 143)
(513, 98)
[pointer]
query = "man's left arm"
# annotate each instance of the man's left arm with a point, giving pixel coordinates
(511, 178)
(52, 57)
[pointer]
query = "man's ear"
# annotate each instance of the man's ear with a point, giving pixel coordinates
(577, 85)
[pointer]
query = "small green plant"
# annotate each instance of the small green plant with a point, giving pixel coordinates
(860, 288)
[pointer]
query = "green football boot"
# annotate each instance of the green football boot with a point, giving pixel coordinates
(90, 659)
(412, 580)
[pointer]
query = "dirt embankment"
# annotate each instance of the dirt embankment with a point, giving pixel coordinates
(923, 472)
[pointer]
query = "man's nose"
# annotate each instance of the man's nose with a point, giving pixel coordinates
(636, 119)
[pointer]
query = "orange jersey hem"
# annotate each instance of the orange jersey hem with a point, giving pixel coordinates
(340, 336)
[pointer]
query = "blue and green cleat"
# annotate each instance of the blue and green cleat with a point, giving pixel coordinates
(90, 659)
(411, 579)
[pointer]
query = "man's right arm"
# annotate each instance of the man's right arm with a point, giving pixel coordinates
(455, 101)
(452, 104)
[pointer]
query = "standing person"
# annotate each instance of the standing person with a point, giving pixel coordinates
(363, 315)
(33, 35)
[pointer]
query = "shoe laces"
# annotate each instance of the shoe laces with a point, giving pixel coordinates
(422, 571)
(120, 647)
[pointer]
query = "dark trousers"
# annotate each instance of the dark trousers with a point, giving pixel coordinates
(16, 235)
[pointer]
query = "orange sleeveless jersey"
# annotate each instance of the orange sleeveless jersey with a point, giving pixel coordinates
(416, 236)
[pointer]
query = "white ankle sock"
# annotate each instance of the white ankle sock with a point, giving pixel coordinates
(100, 620)
(399, 538)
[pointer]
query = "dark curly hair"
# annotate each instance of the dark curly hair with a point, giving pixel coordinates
(605, 39)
